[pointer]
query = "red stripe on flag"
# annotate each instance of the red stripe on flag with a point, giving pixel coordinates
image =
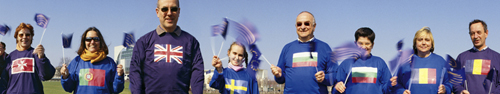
(364, 80)
(431, 76)
(98, 77)
(485, 67)
(305, 64)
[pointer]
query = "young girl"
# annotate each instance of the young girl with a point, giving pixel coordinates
(234, 79)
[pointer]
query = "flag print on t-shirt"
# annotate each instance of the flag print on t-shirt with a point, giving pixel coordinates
(364, 75)
(424, 76)
(477, 66)
(303, 59)
(23, 65)
(92, 77)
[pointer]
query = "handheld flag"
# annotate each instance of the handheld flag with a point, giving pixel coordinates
(4, 29)
(67, 40)
(254, 62)
(404, 56)
(129, 40)
(457, 75)
(220, 29)
(244, 32)
(345, 51)
(41, 20)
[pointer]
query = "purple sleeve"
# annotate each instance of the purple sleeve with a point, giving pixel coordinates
(136, 72)
(45, 69)
(197, 70)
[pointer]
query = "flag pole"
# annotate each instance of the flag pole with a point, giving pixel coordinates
(442, 76)
(466, 88)
(212, 44)
(220, 48)
(347, 77)
(266, 60)
(42, 36)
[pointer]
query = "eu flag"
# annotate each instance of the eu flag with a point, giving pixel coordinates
(346, 51)
(254, 62)
(41, 20)
(457, 73)
(67, 40)
(129, 40)
(220, 29)
(4, 29)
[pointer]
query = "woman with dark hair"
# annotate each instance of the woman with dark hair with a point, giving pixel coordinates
(92, 72)
(27, 67)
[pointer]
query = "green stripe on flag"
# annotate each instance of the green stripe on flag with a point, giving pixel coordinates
(304, 59)
(364, 74)
(82, 75)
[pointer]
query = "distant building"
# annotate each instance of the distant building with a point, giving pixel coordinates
(124, 57)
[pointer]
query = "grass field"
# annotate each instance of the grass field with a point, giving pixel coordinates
(55, 87)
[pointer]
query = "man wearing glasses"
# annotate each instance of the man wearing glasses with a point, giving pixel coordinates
(303, 62)
(167, 60)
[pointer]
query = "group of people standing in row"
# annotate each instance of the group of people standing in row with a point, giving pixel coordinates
(168, 60)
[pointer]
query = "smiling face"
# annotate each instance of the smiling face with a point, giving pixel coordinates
(168, 12)
(24, 38)
(478, 35)
(365, 43)
(305, 26)
(92, 42)
(236, 55)
(424, 43)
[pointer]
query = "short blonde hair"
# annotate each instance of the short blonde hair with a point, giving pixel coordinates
(424, 31)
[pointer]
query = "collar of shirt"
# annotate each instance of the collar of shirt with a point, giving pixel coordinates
(305, 41)
(160, 30)
(475, 49)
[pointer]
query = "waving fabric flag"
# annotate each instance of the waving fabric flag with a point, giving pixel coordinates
(67, 40)
(220, 29)
(347, 50)
(404, 56)
(456, 74)
(41, 20)
(129, 40)
(244, 32)
(253, 67)
(4, 29)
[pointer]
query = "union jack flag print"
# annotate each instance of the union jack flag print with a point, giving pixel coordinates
(168, 53)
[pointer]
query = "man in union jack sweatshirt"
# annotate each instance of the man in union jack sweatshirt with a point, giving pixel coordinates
(167, 60)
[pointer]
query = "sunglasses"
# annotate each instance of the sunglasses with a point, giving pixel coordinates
(92, 38)
(172, 9)
(305, 23)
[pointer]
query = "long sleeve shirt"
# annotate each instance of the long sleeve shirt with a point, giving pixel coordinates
(166, 63)
(234, 82)
(93, 78)
(27, 71)
(479, 71)
(424, 75)
(299, 64)
(368, 75)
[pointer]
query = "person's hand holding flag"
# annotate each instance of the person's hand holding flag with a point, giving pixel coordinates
(217, 63)
(276, 71)
(64, 71)
(119, 70)
(320, 76)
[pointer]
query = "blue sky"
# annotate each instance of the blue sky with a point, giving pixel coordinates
(336, 22)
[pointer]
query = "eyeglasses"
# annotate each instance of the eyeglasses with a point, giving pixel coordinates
(92, 38)
(172, 9)
(305, 23)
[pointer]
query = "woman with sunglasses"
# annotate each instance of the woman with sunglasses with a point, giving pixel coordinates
(26, 66)
(92, 72)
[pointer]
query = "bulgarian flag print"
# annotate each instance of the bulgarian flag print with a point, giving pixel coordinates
(477, 66)
(303, 59)
(92, 77)
(424, 76)
(364, 75)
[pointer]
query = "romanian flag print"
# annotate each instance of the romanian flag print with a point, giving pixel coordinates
(477, 66)
(364, 75)
(303, 59)
(424, 76)
(92, 77)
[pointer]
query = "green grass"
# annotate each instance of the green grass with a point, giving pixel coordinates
(55, 87)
